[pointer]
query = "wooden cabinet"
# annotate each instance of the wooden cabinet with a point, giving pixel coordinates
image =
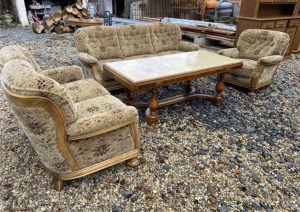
(277, 15)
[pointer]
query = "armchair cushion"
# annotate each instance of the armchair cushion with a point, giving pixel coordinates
(249, 64)
(187, 47)
(271, 60)
(85, 89)
(87, 59)
(64, 74)
(100, 113)
(231, 52)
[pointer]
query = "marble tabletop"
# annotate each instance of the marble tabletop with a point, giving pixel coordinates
(151, 68)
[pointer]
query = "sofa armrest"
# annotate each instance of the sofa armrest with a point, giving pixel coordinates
(102, 123)
(270, 60)
(188, 47)
(64, 74)
(87, 59)
(232, 52)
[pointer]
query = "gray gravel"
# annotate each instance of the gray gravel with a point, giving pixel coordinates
(242, 156)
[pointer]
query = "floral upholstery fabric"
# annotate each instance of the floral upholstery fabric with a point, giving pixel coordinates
(187, 46)
(257, 47)
(100, 42)
(165, 36)
(39, 127)
(85, 89)
(231, 52)
(257, 43)
(21, 78)
(12, 52)
(64, 74)
(134, 40)
(94, 150)
(100, 113)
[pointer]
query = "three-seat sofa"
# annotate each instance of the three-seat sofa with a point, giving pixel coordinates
(98, 45)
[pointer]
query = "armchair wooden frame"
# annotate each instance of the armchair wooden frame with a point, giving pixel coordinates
(254, 79)
(63, 139)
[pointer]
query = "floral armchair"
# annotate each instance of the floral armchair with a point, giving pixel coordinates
(76, 128)
(261, 51)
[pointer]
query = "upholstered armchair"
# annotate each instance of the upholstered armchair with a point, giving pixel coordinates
(76, 128)
(261, 51)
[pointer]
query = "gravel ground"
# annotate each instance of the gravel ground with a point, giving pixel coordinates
(243, 156)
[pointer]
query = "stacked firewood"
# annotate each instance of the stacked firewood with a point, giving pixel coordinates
(58, 21)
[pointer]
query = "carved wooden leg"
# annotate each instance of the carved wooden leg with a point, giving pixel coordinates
(57, 184)
(153, 105)
(188, 87)
(133, 162)
(219, 88)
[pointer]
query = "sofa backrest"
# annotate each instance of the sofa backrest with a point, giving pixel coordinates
(20, 77)
(165, 36)
(103, 42)
(257, 43)
(100, 42)
(134, 40)
(12, 52)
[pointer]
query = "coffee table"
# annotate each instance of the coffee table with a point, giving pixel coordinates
(154, 72)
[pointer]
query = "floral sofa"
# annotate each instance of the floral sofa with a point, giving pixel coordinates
(101, 44)
(75, 126)
(261, 52)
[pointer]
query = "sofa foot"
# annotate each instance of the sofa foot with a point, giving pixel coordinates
(57, 184)
(133, 162)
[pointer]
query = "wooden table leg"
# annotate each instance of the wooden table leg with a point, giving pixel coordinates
(188, 87)
(152, 118)
(219, 88)
(127, 97)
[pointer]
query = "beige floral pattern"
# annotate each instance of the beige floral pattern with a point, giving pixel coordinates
(256, 47)
(64, 74)
(100, 113)
(12, 52)
(103, 147)
(134, 40)
(165, 36)
(41, 132)
(257, 43)
(100, 42)
(26, 81)
(86, 89)
(94, 45)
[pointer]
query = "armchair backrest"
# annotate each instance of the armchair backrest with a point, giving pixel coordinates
(100, 42)
(20, 77)
(257, 43)
(104, 42)
(12, 52)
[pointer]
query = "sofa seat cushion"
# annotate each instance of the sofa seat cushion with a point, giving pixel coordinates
(100, 42)
(100, 113)
(167, 53)
(134, 40)
(139, 56)
(165, 37)
(85, 89)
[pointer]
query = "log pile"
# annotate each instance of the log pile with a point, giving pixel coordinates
(57, 21)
